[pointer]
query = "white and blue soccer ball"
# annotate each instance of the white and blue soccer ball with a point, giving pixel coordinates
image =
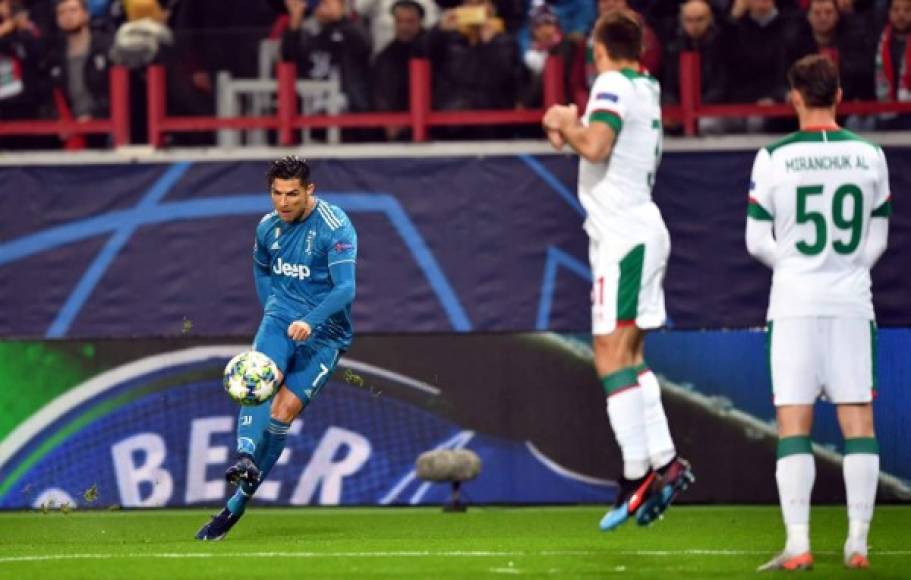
(251, 378)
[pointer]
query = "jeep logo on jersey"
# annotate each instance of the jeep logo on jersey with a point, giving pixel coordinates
(299, 271)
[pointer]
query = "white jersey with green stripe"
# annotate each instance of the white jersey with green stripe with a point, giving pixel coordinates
(820, 188)
(617, 193)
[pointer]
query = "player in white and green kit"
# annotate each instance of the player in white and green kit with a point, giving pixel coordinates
(818, 216)
(619, 142)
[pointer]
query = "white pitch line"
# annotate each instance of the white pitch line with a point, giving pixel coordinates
(191, 555)
(697, 552)
(418, 554)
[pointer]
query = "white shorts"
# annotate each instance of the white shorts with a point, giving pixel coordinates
(813, 356)
(627, 282)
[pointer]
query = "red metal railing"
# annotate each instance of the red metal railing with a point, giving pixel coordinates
(117, 126)
(691, 108)
(420, 117)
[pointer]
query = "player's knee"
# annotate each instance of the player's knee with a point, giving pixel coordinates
(856, 420)
(283, 413)
(794, 420)
(607, 345)
(613, 352)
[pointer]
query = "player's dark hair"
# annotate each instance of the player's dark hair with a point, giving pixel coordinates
(815, 77)
(289, 167)
(621, 34)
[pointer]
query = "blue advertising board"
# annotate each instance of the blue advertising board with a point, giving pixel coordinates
(446, 244)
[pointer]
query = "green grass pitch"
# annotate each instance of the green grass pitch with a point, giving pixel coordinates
(487, 542)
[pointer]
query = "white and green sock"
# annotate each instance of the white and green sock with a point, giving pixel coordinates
(795, 474)
(626, 411)
(661, 448)
(861, 472)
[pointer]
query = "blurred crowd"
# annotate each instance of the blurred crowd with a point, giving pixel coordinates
(484, 54)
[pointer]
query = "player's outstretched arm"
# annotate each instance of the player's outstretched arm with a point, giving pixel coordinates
(341, 295)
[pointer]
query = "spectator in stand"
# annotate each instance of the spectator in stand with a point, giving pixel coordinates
(77, 61)
(664, 16)
(865, 19)
(757, 58)
(699, 33)
(109, 15)
(40, 13)
(22, 92)
(391, 74)
(574, 17)
(142, 37)
(43, 13)
(651, 52)
(827, 32)
(788, 8)
(846, 6)
(98, 9)
(511, 12)
(330, 41)
(216, 35)
(893, 63)
(474, 62)
(381, 16)
(547, 40)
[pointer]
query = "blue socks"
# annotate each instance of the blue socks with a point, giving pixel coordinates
(265, 453)
(237, 503)
(273, 445)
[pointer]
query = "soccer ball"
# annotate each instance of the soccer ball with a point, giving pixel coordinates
(251, 378)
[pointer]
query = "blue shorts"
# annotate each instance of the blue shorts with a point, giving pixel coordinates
(306, 367)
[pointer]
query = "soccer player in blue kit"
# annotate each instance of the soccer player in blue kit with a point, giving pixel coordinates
(303, 264)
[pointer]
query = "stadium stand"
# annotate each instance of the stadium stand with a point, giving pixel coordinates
(473, 68)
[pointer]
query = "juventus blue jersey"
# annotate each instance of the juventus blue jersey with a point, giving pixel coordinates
(298, 256)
